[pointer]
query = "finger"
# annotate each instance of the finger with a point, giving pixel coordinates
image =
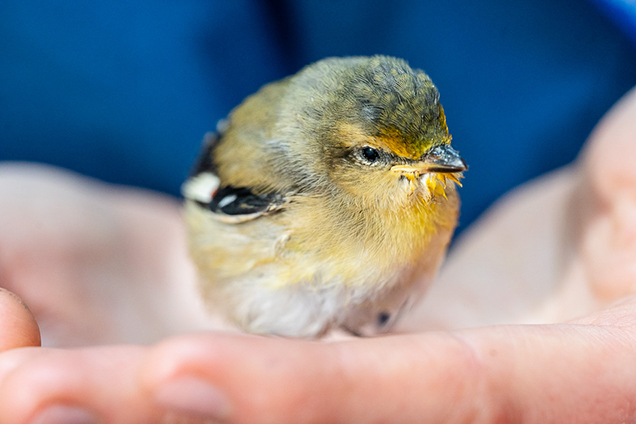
(608, 239)
(18, 327)
(532, 374)
(63, 386)
(611, 151)
(505, 374)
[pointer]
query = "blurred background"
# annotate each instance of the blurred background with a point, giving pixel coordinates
(124, 90)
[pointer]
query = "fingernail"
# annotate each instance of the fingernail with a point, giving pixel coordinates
(63, 414)
(193, 396)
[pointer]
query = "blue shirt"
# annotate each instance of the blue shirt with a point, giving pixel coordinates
(124, 90)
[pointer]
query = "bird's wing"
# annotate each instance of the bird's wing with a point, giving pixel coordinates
(228, 204)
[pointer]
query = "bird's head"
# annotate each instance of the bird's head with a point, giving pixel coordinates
(373, 127)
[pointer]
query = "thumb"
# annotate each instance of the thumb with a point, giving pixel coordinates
(18, 327)
(609, 157)
(609, 238)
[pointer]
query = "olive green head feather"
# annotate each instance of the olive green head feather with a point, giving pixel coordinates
(338, 122)
(379, 97)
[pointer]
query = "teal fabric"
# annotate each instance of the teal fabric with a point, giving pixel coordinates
(124, 90)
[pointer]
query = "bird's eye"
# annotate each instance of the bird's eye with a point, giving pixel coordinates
(370, 154)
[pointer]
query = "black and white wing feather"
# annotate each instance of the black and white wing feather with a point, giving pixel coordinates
(228, 204)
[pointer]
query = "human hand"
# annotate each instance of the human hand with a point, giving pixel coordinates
(95, 264)
(560, 249)
(18, 327)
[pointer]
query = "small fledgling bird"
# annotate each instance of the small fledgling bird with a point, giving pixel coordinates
(326, 200)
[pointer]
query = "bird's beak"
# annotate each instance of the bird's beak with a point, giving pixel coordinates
(440, 160)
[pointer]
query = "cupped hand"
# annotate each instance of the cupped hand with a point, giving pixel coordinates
(555, 262)
(96, 264)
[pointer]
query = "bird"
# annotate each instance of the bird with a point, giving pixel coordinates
(325, 201)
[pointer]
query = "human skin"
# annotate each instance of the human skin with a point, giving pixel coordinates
(18, 327)
(533, 318)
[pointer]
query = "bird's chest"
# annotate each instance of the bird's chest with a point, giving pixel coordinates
(363, 247)
(359, 285)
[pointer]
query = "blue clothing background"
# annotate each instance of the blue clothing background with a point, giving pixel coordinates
(124, 90)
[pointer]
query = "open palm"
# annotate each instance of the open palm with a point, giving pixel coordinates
(106, 269)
